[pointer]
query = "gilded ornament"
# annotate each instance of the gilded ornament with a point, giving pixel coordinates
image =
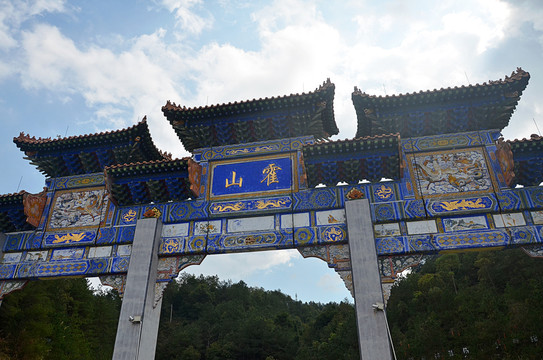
(129, 216)
(264, 204)
(69, 238)
(462, 204)
(333, 234)
(355, 194)
(224, 208)
(384, 192)
(152, 213)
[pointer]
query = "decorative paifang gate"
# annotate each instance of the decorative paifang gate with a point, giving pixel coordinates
(114, 204)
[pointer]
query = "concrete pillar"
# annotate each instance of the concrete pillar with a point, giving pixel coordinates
(138, 322)
(372, 327)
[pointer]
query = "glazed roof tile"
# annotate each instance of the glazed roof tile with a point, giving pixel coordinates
(153, 181)
(89, 153)
(447, 110)
(369, 158)
(13, 197)
(255, 120)
(518, 78)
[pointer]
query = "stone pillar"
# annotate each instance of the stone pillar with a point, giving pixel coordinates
(371, 322)
(138, 322)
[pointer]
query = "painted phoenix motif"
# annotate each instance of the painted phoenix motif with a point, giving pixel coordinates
(451, 172)
(78, 209)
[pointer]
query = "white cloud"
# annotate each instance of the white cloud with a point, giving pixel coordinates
(329, 283)
(14, 13)
(240, 265)
(121, 87)
(187, 19)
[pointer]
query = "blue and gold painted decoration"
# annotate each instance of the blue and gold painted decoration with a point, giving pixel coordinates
(61, 268)
(120, 264)
(69, 238)
(509, 200)
(247, 242)
(305, 236)
(174, 245)
(481, 238)
(78, 181)
(7, 271)
(261, 148)
(390, 245)
(384, 192)
(249, 177)
(33, 241)
(313, 199)
(125, 234)
(14, 241)
(385, 212)
(420, 243)
(197, 244)
(485, 203)
(414, 209)
(98, 266)
(128, 216)
(268, 204)
(534, 197)
(448, 141)
(524, 235)
(106, 236)
(186, 210)
(332, 234)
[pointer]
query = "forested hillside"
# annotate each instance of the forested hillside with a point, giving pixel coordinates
(211, 319)
(485, 305)
(58, 319)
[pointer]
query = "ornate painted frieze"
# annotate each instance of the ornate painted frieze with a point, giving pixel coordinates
(78, 181)
(448, 141)
(78, 209)
(450, 172)
(261, 148)
(315, 199)
(243, 206)
(479, 239)
(69, 238)
(439, 207)
(248, 242)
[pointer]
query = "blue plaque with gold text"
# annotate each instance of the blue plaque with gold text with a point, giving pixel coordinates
(270, 175)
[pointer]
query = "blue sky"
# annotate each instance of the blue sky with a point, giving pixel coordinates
(79, 67)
